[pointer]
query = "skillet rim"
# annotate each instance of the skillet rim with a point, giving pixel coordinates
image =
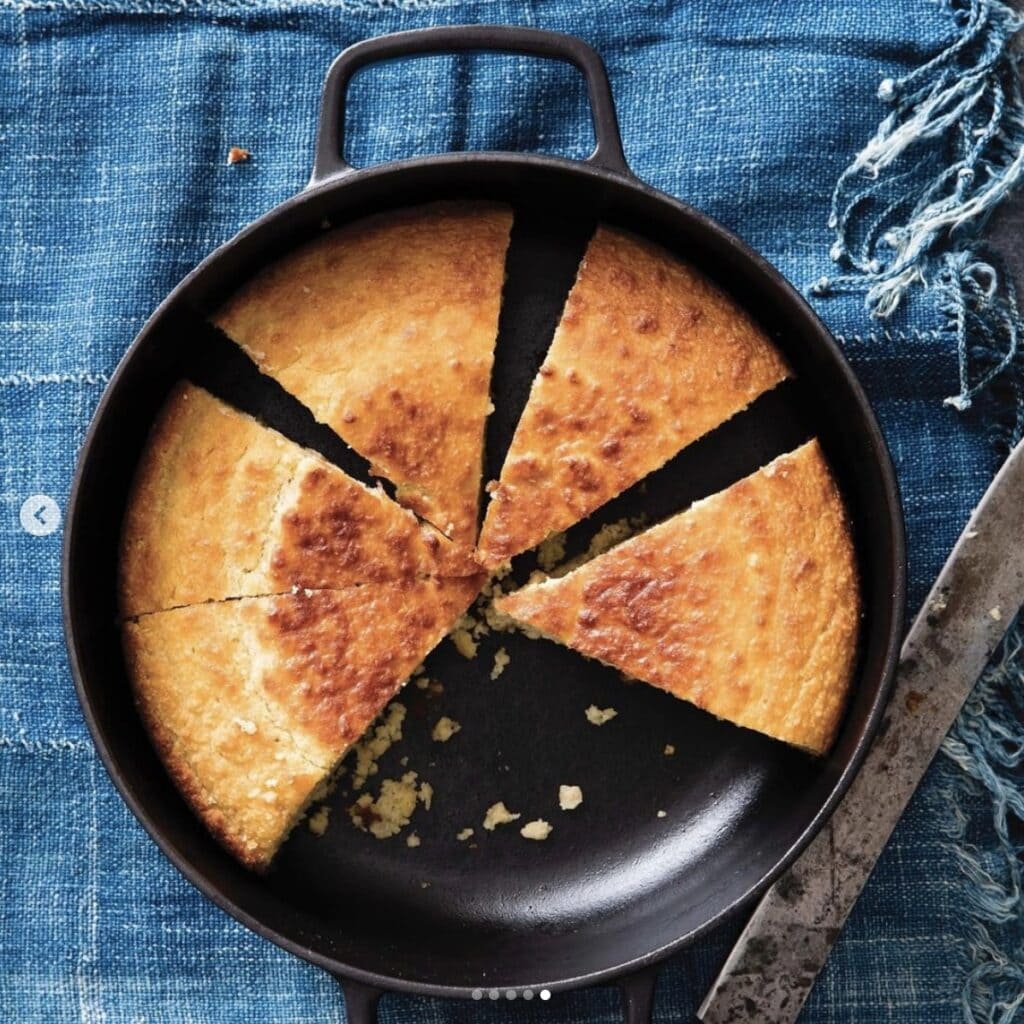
(786, 296)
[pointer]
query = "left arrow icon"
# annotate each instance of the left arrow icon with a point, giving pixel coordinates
(39, 515)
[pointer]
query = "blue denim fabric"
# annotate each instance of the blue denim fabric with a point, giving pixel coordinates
(115, 120)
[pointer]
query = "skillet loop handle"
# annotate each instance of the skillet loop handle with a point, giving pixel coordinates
(330, 144)
(638, 995)
(360, 1001)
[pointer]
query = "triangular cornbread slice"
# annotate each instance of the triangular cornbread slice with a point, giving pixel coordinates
(746, 605)
(385, 329)
(648, 357)
(224, 507)
(252, 703)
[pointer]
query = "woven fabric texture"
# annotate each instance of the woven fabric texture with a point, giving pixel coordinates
(115, 120)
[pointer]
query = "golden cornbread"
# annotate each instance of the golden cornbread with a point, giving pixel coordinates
(252, 703)
(747, 604)
(648, 357)
(224, 507)
(385, 329)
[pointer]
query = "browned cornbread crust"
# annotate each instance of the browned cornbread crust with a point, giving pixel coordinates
(385, 329)
(747, 604)
(648, 357)
(252, 703)
(224, 507)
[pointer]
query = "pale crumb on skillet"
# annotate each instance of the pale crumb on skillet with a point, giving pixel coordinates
(464, 834)
(412, 841)
(538, 829)
(392, 810)
(598, 716)
(669, 750)
(462, 636)
(569, 797)
(662, 814)
(378, 742)
(318, 820)
(445, 729)
(501, 660)
(607, 537)
(551, 551)
(498, 814)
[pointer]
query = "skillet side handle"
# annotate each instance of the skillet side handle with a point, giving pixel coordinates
(330, 162)
(638, 995)
(360, 1001)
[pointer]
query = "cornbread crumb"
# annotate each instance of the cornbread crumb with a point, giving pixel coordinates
(497, 620)
(501, 660)
(367, 751)
(669, 750)
(238, 155)
(604, 540)
(662, 814)
(538, 829)
(462, 636)
(464, 835)
(317, 821)
(996, 613)
(390, 812)
(445, 729)
(551, 551)
(598, 716)
(498, 814)
(609, 535)
(569, 797)
(413, 840)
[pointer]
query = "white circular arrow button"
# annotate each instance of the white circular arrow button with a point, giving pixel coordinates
(39, 515)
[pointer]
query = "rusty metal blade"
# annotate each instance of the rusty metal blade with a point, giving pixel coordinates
(776, 960)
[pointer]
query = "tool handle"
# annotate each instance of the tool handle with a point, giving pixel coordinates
(771, 971)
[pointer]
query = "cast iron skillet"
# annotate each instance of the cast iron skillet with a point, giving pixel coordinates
(616, 888)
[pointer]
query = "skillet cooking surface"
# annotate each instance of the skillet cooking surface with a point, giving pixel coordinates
(614, 882)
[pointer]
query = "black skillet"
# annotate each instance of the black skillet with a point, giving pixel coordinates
(616, 888)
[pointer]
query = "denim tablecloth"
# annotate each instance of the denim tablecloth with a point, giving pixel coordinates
(115, 120)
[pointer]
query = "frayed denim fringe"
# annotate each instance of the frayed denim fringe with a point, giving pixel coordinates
(987, 745)
(957, 123)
